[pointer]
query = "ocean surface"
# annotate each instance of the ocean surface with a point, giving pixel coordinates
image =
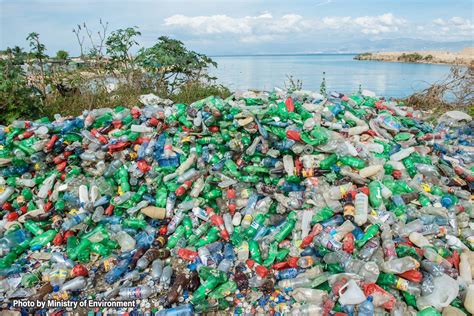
(342, 73)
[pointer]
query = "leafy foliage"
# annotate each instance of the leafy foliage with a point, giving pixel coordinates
(119, 44)
(32, 85)
(17, 98)
(62, 55)
(173, 63)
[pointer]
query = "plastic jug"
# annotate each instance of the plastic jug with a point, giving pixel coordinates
(353, 294)
(445, 291)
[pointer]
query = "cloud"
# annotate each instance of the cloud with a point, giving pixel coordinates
(439, 22)
(384, 23)
(266, 27)
(261, 24)
(453, 28)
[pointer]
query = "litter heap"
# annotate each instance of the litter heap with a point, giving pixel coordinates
(263, 203)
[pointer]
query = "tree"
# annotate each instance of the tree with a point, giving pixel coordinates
(80, 38)
(173, 63)
(37, 50)
(119, 44)
(62, 55)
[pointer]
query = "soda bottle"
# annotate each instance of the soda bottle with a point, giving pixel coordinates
(223, 290)
(399, 283)
(369, 233)
(375, 194)
(349, 209)
(136, 292)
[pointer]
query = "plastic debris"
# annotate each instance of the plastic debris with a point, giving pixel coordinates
(283, 203)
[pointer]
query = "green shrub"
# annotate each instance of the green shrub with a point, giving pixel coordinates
(18, 99)
(412, 57)
(62, 55)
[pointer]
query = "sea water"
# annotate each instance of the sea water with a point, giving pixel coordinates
(342, 73)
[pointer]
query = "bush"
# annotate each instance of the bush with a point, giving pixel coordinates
(413, 57)
(18, 99)
(62, 55)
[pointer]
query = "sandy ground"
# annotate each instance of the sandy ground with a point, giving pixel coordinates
(463, 57)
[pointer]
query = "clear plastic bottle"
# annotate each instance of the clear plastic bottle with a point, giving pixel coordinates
(156, 269)
(136, 292)
(165, 278)
(361, 204)
(400, 265)
(126, 242)
(387, 243)
(366, 308)
(75, 284)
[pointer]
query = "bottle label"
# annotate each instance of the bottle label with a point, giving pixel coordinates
(255, 225)
(402, 284)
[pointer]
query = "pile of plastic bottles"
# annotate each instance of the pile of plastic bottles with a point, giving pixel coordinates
(271, 203)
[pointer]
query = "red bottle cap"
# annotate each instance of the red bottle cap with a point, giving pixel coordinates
(12, 216)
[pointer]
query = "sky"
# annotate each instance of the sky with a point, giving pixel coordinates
(226, 27)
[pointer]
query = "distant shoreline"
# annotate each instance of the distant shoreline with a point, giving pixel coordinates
(464, 57)
(282, 55)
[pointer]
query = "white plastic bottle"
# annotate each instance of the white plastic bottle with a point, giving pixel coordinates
(370, 171)
(402, 154)
(361, 204)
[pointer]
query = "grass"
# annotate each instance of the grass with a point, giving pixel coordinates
(195, 90)
(127, 96)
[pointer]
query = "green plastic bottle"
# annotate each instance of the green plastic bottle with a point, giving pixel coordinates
(322, 215)
(223, 290)
(42, 240)
(255, 251)
(375, 194)
(287, 227)
(353, 162)
(370, 232)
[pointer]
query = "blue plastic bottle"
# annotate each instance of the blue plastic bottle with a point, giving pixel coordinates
(367, 307)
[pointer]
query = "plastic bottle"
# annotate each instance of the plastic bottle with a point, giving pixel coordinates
(136, 292)
(367, 307)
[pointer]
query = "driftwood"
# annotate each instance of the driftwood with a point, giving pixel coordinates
(454, 92)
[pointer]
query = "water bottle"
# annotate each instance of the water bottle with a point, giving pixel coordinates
(136, 292)
(367, 307)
